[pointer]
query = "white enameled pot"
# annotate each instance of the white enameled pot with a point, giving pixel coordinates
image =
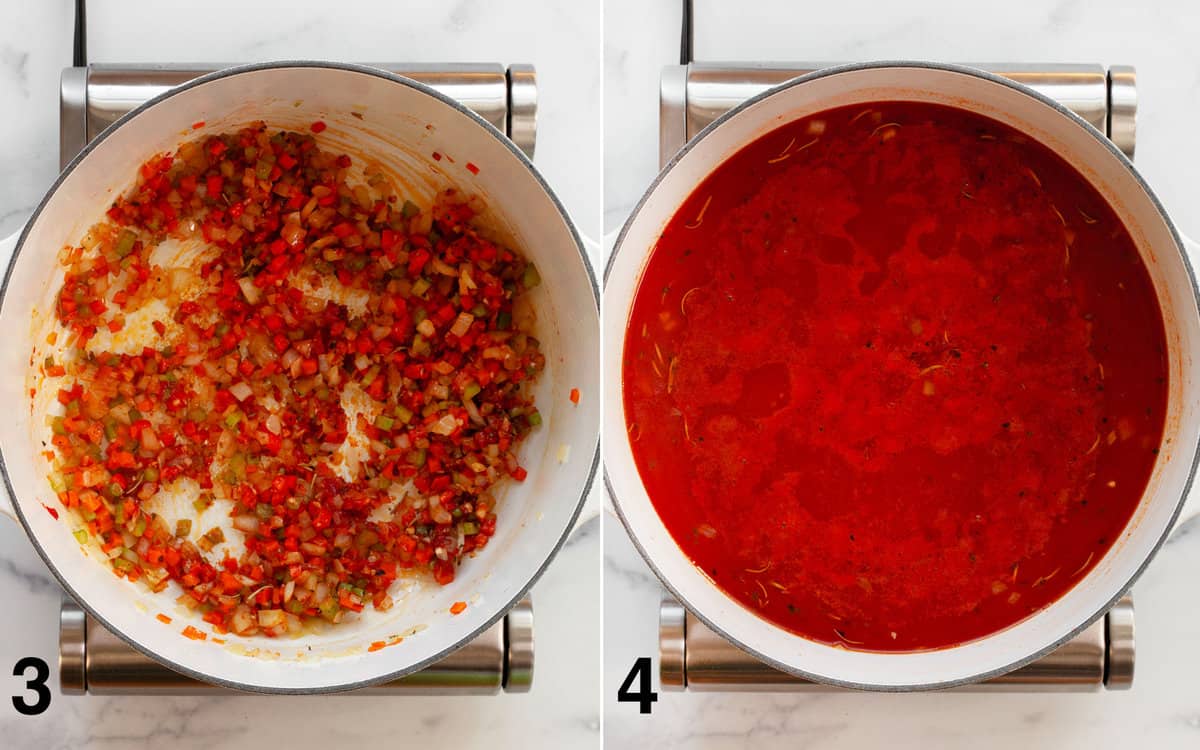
(1170, 266)
(399, 124)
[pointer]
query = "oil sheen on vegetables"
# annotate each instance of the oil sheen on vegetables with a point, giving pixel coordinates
(895, 377)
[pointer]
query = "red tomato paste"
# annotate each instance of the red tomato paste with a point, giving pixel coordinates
(895, 377)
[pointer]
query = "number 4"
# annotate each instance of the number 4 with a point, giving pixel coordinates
(644, 697)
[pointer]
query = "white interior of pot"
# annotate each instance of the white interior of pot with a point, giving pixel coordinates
(394, 130)
(1172, 281)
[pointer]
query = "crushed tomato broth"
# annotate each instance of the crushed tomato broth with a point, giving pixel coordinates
(895, 377)
(345, 372)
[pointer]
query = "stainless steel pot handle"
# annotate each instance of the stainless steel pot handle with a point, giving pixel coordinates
(7, 246)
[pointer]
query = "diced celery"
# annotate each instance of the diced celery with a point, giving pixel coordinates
(531, 277)
(329, 608)
(125, 243)
(237, 465)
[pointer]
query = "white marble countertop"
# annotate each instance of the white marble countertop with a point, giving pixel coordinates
(35, 44)
(1163, 709)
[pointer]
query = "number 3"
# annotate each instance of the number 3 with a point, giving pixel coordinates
(41, 673)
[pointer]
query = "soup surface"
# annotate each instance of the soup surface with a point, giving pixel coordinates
(895, 377)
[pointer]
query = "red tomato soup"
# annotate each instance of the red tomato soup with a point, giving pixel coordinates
(895, 377)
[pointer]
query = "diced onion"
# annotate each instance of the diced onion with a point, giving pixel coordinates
(250, 291)
(241, 390)
(292, 233)
(446, 425)
(472, 411)
(462, 323)
(438, 513)
(150, 440)
(248, 524)
(242, 620)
